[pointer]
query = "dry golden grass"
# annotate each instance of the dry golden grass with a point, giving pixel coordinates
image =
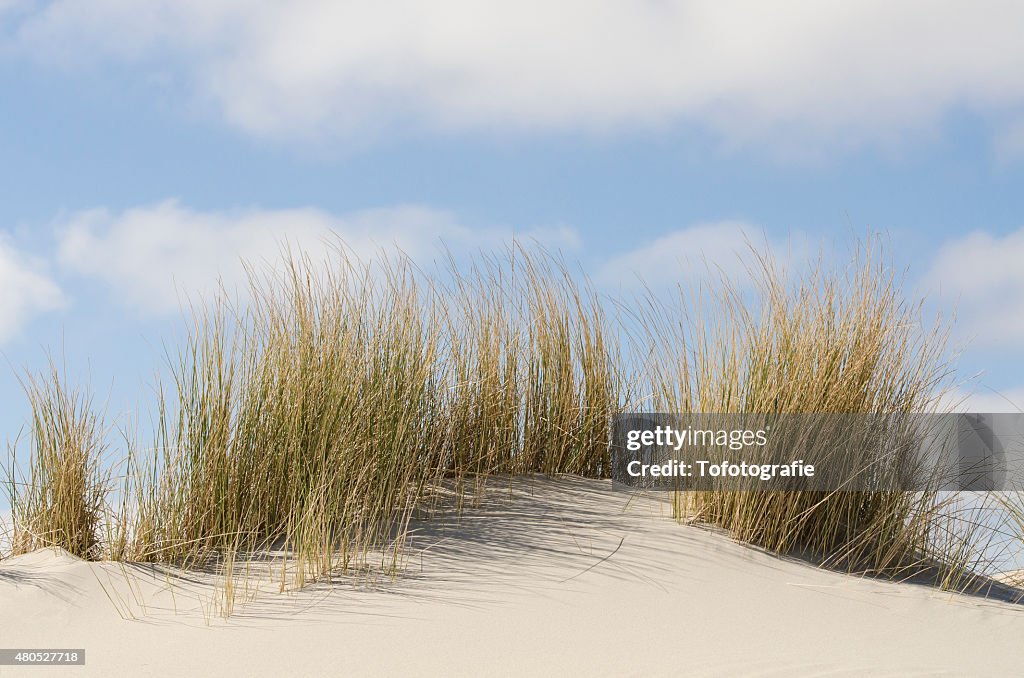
(62, 499)
(828, 342)
(317, 417)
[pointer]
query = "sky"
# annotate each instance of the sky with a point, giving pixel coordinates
(146, 146)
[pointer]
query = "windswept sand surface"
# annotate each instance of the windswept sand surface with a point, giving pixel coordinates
(529, 584)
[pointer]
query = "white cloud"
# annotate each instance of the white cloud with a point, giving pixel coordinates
(983, 276)
(985, 400)
(155, 257)
(754, 71)
(26, 290)
(726, 248)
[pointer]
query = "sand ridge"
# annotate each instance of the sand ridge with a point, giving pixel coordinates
(546, 577)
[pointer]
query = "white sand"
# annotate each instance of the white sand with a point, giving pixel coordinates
(507, 591)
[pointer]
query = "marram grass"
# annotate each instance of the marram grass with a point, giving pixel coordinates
(318, 416)
(62, 499)
(826, 342)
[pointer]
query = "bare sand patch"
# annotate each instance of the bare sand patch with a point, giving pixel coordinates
(564, 577)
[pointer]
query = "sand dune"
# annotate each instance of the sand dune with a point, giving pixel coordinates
(558, 578)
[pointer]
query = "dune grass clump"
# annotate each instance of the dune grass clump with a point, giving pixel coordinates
(829, 343)
(572, 386)
(304, 419)
(320, 416)
(62, 499)
(484, 349)
(534, 379)
(317, 417)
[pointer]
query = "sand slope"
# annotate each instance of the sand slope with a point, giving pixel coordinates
(522, 586)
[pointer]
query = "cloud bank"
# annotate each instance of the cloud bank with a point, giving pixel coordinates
(982, 274)
(751, 71)
(26, 290)
(1008, 401)
(707, 251)
(155, 258)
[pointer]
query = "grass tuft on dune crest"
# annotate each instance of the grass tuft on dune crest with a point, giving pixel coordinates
(318, 416)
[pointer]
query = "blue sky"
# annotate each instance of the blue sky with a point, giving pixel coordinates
(145, 146)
